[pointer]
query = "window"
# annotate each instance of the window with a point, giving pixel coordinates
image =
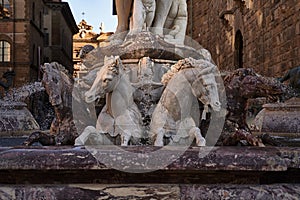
(4, 9)
(40, 20)
(239, 45)
(33, 11)
(4, 51)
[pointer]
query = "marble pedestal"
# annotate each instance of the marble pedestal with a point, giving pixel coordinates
(15, 119)
(280, 117)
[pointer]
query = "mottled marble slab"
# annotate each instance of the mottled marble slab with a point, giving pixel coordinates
(217, 158)
(150, 192)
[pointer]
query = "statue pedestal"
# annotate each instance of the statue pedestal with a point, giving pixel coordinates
(15, 119)
(280, 117)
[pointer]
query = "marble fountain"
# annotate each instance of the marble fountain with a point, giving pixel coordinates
(154, 118)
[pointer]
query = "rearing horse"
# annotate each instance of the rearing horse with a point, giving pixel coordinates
(59, 85)
(177, 113)
(120, 115)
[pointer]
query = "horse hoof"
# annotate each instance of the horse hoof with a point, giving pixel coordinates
(201, 142)
(26, 143)
(158, 144)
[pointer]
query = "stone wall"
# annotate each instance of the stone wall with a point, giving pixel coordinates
(270, 31)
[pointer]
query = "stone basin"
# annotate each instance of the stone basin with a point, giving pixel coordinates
(16, 119)
(280, 118)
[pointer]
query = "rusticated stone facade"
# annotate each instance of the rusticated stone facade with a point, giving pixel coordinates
(264, 35)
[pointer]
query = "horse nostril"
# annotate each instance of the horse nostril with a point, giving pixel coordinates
(108, 78)
(217, 103)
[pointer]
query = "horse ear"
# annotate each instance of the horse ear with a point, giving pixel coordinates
(118, 62)
(44, 66)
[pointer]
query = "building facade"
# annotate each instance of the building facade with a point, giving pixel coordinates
(264, 35)
(33, 32)
(86, 37)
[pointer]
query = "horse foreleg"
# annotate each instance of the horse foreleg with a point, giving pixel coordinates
(200, 140)
(125, 138)
(43, 138)
(85, 135)
(159, 140)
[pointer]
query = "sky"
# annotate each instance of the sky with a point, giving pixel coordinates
(95, 12)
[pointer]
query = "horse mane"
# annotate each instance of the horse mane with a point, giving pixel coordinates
(114, 64)
(241, 73)
(204, 66)
(59, 67)
(63, 71)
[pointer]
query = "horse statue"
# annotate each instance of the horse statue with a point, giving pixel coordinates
(177, 113)
(120, 115)
(58, 85)
(241, 85)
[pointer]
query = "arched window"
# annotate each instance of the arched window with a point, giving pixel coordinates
(4, 9)
(4, 51)
(238, 46)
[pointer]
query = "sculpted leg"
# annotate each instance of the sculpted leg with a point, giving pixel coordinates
(200, 140)
(150, 15)
(123, 10)
(83, 138)
(125, 138)
(162, 11)
(172, 14)
(177, 21)
(181, 21)
(159, 140)
(139, 16)
(149, 19)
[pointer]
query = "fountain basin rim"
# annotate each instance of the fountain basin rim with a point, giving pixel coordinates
(12, 104)
(282, 107)
(219, 158)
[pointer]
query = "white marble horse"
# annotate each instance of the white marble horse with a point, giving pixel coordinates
(177, 113)
(120, 115)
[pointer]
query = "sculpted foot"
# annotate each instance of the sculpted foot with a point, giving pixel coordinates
(200, 140)
(158, 143)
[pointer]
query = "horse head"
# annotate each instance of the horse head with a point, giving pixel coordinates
(253, 85)
(106, 81)
(205, 88)
(54, 82)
